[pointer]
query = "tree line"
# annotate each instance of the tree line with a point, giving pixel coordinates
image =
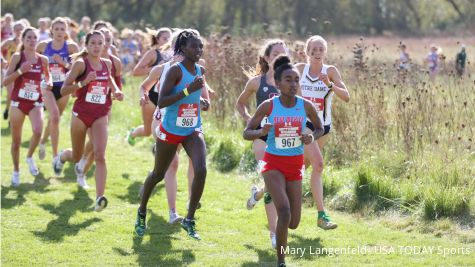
(298, 17)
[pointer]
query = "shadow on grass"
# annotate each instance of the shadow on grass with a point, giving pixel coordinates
(132, 195)
(268, 257)
(39, 185)
(58, 228)
(265, 257)
(6, 129)
(159, 249)
(312, 247)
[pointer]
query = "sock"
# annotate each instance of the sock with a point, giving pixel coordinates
(321, 214)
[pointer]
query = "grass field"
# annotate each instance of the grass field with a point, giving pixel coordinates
(50, 221)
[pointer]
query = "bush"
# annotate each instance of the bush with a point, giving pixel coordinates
(226, 157)
(445, 202)
(248, 162)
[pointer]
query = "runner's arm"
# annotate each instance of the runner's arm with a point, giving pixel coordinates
(250, 133)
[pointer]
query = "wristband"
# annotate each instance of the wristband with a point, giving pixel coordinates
(313, 138)
(185, 92)
(19, 71)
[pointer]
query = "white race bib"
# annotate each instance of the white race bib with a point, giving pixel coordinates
(288, 134)
(30, 90)
(58, 73)
(187, 115)
(97, 92)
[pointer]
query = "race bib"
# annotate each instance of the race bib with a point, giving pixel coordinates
(97, 92)
(30, 90)
(187, 115)
(319, 103)
(58, 72)
(287, 134)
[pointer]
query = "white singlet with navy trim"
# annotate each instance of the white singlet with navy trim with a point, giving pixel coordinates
(318, 93)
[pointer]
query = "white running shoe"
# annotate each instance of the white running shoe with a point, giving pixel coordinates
(57, 164)
(101, 203)
(32, 166)
(251, 202)
(16, 179)
(273, 240)
(80, 177)
(174, 218)
(42, 152)
(81, 164)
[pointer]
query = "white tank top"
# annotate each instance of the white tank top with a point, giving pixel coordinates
(318, 93)
(166, 68)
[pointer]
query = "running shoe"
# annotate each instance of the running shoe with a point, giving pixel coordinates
(190, 227)
(174, 218)
(101, 203)
(130, 138)
(325, 222)
(140, 225)
(15, 179)
(32, 166)
(57, 164)
(80, 177)
(251, 202)
(42, 152)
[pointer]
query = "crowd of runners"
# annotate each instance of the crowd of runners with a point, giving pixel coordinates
(42, 67)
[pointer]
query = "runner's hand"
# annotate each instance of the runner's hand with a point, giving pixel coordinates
(25, 67)
(196, 85)
(144, 99)
(265, 129)
(118, 95)
(307, 139)
(324, 78)
(89, 78)
(204, 104)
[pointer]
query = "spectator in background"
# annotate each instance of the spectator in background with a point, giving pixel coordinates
(43, 32)
(7, 26)
(460, 61)
(128, 49)
(84, 28)
(432, 61)
(73, 27)
(404, 59)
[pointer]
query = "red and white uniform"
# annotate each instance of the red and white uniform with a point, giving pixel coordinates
(94, 99)
(26, 93)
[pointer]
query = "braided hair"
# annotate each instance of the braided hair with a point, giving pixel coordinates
(183, 38)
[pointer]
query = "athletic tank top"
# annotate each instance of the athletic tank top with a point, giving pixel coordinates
(159, 84)
(58, 71)
(159, 58)
(183, 117)
(27, 86)
(265, 91)
(318, 93)
(284, 138)
(95, 97)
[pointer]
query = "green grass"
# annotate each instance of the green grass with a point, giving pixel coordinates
(50, 221)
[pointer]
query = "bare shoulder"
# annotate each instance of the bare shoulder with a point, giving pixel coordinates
(300, 66)
(43, 58)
